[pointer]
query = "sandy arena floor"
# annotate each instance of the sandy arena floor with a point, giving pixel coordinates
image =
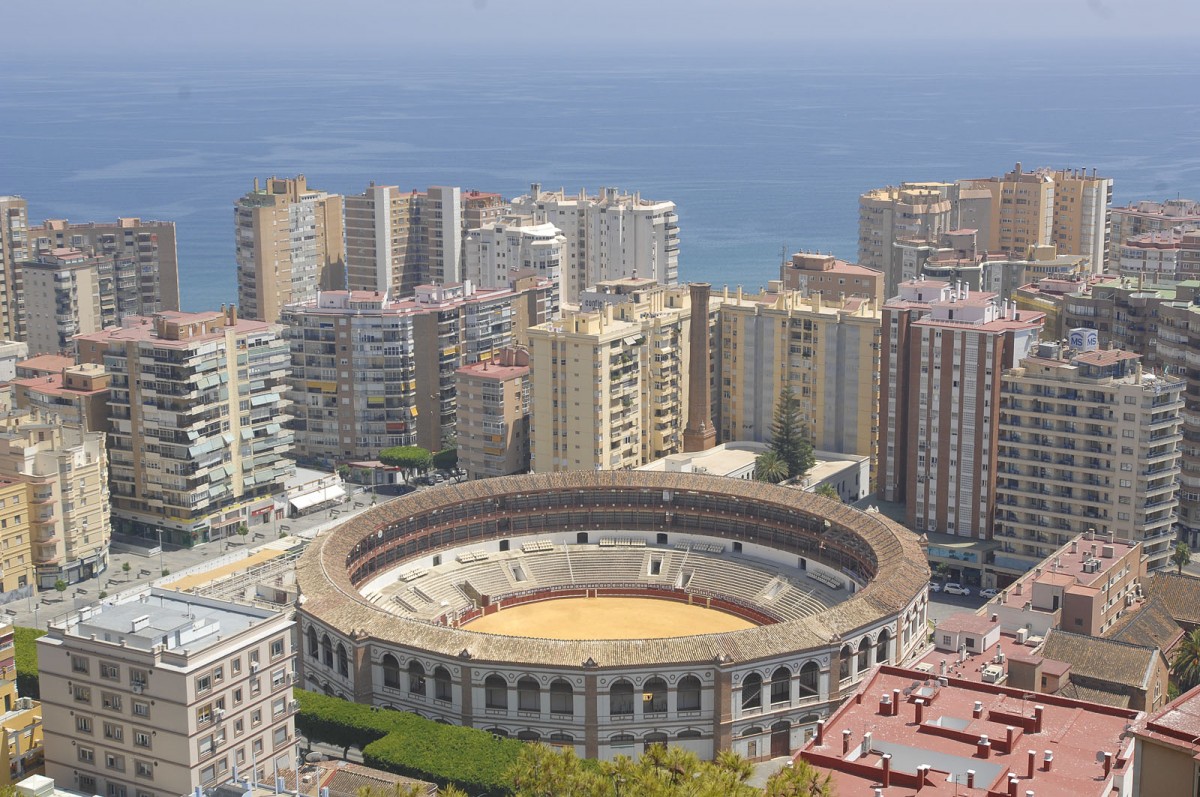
(607, 618)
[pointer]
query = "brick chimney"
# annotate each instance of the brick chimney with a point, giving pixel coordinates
(699, 434)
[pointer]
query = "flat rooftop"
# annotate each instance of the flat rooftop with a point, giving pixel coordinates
(720, 460)
(176, 621)
(1068, 568)
(954, 716)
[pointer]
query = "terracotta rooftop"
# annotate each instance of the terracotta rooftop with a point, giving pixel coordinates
(967, 621)
(1148, 624)
(1176, 724)
(1022, 732)
(1180, 596)
(1105, 357)
(1105, 660)
(44, 364)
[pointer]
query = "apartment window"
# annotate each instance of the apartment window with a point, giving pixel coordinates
(1126, 483)
(237, 696)
(1131, 399)
(276, 648)
(87, 755)
(278, 678)
(115, 789)
(280, 735)
(141, 739)
(83, 724)
(82, 694)
(141, 708)
(218, 675)
(1126, 433)
(140, 793)
(1122, 516)
(235, 666)
(203, 683)
(79, 664)
(138, 678)
(257, 746)
(254, 657)
(256, 718)
(278, 706)
(110, 701)
(255, 686)
(238, 728)
(204, 714)
(114, 732)
(114, 762)
(87, 784)
(110, 672)
(143, 769)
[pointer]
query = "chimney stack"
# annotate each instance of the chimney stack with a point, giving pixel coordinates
(1032, 763)
(1108, 760)
(983, 748)
(970, 778)
(1037, 718)
(1048, 760)
(699, 434)
(845, 741)
(920, 704)
(895, 702)
(887, 770)
(977, 710)
(1012, 785)
(820, 733)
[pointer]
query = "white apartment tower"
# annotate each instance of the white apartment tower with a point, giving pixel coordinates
(610, 235)
(1087, 441)
(515, 245)
(160, 694)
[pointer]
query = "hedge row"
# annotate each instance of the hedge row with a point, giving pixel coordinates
(409, 745)
(25, 644)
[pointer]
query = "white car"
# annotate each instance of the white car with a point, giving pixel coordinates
(934, 586)
(955, 589)
(990, 592)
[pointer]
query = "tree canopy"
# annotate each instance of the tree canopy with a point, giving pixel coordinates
(770, 467)
(407, 458)
(788, 438)
(660, 772)
(1186, 664)
(1181, 557)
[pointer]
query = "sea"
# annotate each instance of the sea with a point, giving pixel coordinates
(764, 152)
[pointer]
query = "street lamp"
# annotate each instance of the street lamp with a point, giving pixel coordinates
(161, 566)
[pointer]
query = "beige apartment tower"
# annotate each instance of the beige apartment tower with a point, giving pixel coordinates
(66, 469)
(151, 280)
(493, 415)
(160, 693)
(1087, 441)
(289, 246)
(782, 338)
(66, 292)
(609, 385)
(14, 249)
(917, 212)
(197, 413)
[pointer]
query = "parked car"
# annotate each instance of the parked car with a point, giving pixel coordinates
(990, 592)
(951, 588)
(934, 586)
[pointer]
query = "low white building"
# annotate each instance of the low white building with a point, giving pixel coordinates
(514, 244)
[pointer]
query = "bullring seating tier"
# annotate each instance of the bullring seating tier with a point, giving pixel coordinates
(696, 568)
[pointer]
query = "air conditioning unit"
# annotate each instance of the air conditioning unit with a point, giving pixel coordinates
(254, 666)
(137, 688)
(219, 714)
(293, 706)
(1022, 635)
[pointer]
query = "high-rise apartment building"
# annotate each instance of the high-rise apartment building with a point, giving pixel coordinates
(197, 442)
(160, 694)
(609, 235)
(151, 280)
(442, 233)
(608, 386)
(493, 415)
(66, 292)
(77, 395)
(1154, 256)
(480, 208)
(943, 352)
(782, 338)
(19, 576)
(1087, 441)
(1122, 310)
(810, 272)
(1140, 218)
(66, 469)
(289, 246)
(1067, 207)
(383, 241)
(370, 372)
(14, 249)
(514, 245)
(1177, 341)
(913, 212)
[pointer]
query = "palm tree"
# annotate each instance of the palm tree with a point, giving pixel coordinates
(770, 467)
(1186, 666)
(1182, 556)
(829, 491)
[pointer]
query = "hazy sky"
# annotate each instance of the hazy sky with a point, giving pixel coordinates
(521, 29)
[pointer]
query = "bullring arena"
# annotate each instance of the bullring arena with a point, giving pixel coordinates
(612, 610)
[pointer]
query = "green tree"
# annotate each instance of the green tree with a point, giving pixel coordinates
(61, 587)
(242, 531)
(1181, 556)
(738, 765)
(408, 459)
(801, 779)
(125, 568)
(1186, 665)
(770, 467)
(788, 438)
(829, 491)
(446, 459)
(26, 658)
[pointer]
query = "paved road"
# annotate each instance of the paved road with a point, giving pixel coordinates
(942, 605)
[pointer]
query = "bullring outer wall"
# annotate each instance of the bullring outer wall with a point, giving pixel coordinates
(565, 691)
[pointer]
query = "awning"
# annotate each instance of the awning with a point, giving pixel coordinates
(309, 500)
